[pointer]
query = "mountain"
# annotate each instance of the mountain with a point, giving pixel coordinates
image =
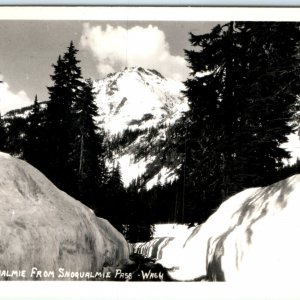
(136, 107)
(137, 98)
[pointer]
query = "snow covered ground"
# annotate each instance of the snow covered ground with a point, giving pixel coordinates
(166, 237)
(293, 146)
(171, 230)
(252, 237)
(43, 229)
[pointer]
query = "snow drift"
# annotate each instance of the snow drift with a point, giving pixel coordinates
(252, 237)
(42, 227)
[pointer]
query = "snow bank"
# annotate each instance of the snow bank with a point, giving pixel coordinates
(171, 230)
(42, 227)
(252, 237)
(168, 240)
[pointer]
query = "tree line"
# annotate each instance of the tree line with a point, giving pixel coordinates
(243, 96)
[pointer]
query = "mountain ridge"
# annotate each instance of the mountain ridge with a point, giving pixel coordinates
(143, 104)
(136, 107)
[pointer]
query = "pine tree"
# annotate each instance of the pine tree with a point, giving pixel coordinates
(60, 121)
(74, 144)
(88, 154)
(16, 128)
(241, 92)
(33, 148)
(3, 135)
(272, 74)
(115, 208)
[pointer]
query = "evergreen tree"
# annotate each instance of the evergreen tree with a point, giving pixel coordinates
(3, 135)
(272, 73)
(16, 128)
(139, 223)
(74, 144)
(241, 92)
(114, 208)
(33, 148)
(88, 152)
(60, 121)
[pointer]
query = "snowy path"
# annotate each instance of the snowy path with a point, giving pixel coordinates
(252, 237)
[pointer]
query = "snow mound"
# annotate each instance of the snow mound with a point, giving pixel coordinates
(252, 237)
(42, 227)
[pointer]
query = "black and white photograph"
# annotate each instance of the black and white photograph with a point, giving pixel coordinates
(140, 150)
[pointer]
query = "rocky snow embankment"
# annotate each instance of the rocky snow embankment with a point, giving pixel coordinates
(43, 228)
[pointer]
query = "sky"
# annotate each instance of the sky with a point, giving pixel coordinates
(29, 48)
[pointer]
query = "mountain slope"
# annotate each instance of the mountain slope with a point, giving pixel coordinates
(136, 107)
(137, 98)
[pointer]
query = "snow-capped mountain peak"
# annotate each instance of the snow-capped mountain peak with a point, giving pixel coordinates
(137, 98)
(136, 108)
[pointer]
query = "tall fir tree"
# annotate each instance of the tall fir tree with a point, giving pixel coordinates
(88, 150)
(73, 143)
(16, 128)
(138, 212)
(60, 121)
(3, 135)
(33, 148)
(241, 92)
(114, 207)
(272, 73)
